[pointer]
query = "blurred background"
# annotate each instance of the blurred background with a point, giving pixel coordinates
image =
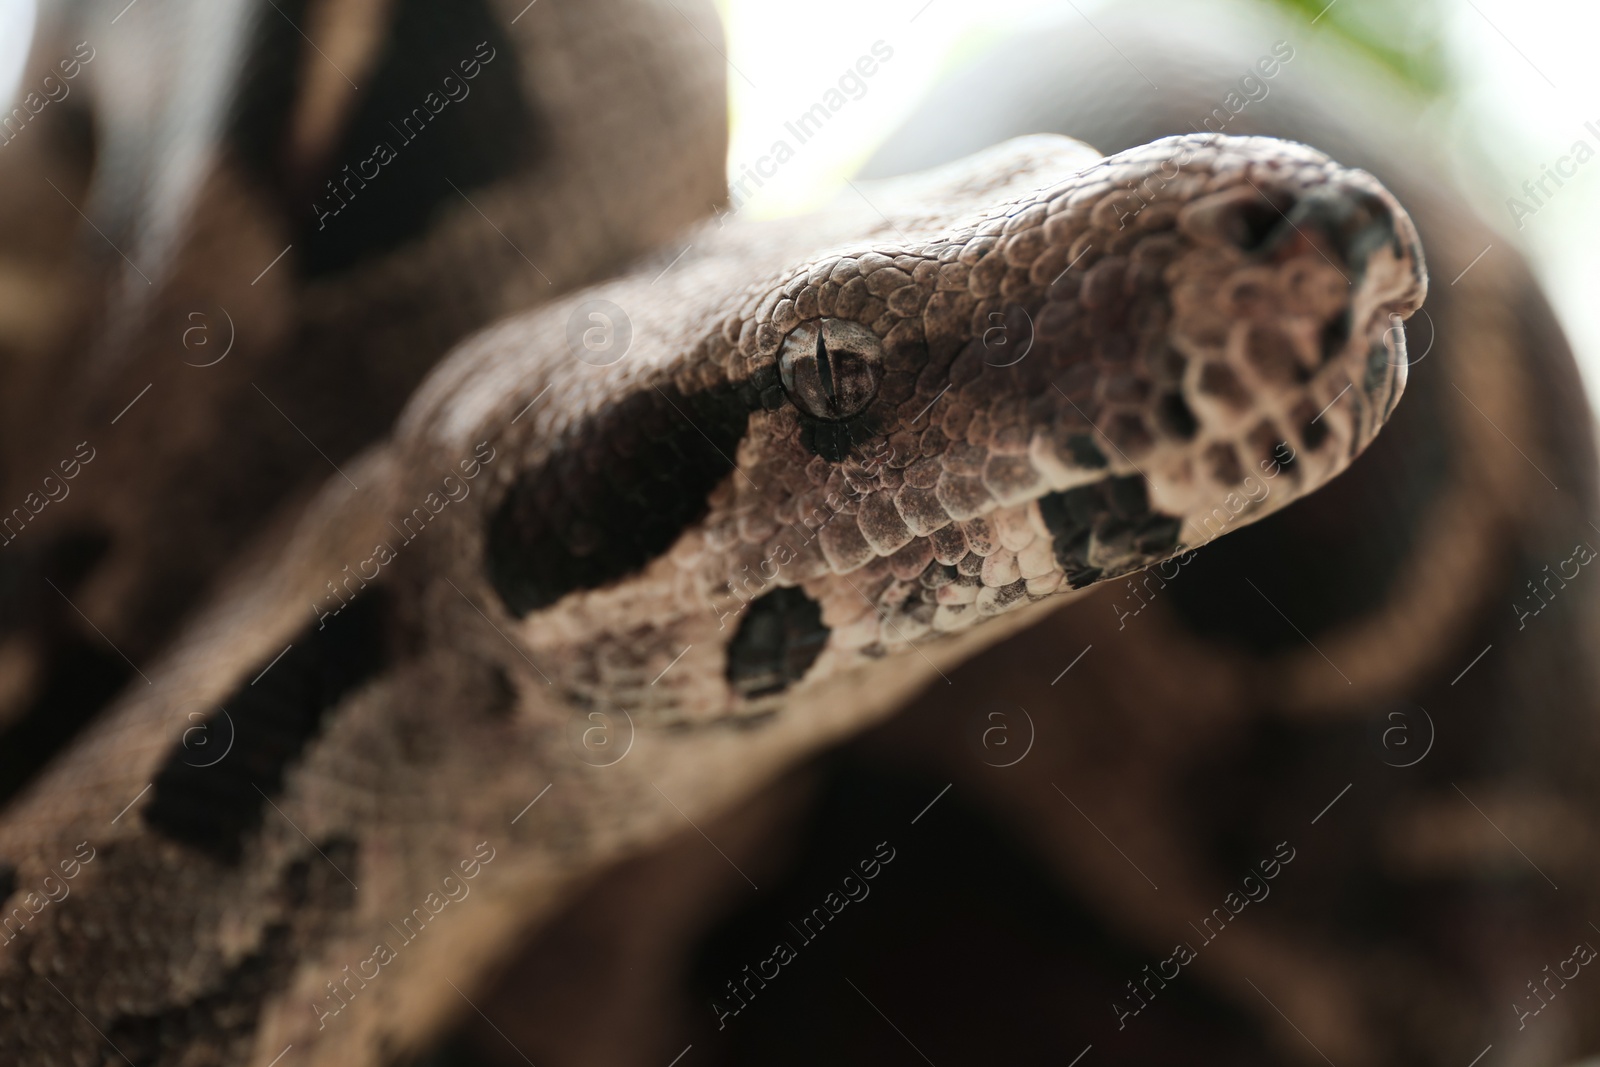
(1508, 86)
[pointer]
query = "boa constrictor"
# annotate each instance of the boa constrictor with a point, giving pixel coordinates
(801, 470)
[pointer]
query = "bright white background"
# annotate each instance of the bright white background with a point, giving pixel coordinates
(1506, 120)
(1527, 74)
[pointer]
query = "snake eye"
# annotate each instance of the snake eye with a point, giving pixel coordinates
(830, 368)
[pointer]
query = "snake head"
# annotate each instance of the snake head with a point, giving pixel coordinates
(1017, 376)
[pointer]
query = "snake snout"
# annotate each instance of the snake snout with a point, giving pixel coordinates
(1342, 216)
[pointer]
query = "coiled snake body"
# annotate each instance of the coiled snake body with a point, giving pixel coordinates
(832, 458)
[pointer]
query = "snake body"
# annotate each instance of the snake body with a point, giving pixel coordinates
(812, 479)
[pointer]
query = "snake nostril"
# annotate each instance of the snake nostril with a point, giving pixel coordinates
(1257, 221)
(1345, 221)
(1248, 217)
(1371, 228)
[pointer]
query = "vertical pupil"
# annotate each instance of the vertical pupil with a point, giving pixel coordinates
(825, 373)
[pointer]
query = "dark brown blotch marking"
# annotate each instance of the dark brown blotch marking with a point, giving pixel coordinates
(77, 676)
(1106, 529)
(487, 135)
(779, 638)
(834, 441)
(1085, 453)
(1175, 417)
(1128, 432)
(1313, 426)
(272, 719)
(618, 491)
(1352, 223)
(222, 1014)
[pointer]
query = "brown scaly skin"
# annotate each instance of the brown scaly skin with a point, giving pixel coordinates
(223, 901)
(1203, 729)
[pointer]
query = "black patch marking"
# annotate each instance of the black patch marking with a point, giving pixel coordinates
(487, 134)
(78, 674)
(1106, 529)
(1085, 453)
(223, 1015)
(80, 677)
(272, 719)
(1176, 418)
(1354, 224)
(616, 493)
(1287, 465)
(1258, 223)
(834, 441)
(779, 639)
(1312, 434)
(268, 82)
(8, 880)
